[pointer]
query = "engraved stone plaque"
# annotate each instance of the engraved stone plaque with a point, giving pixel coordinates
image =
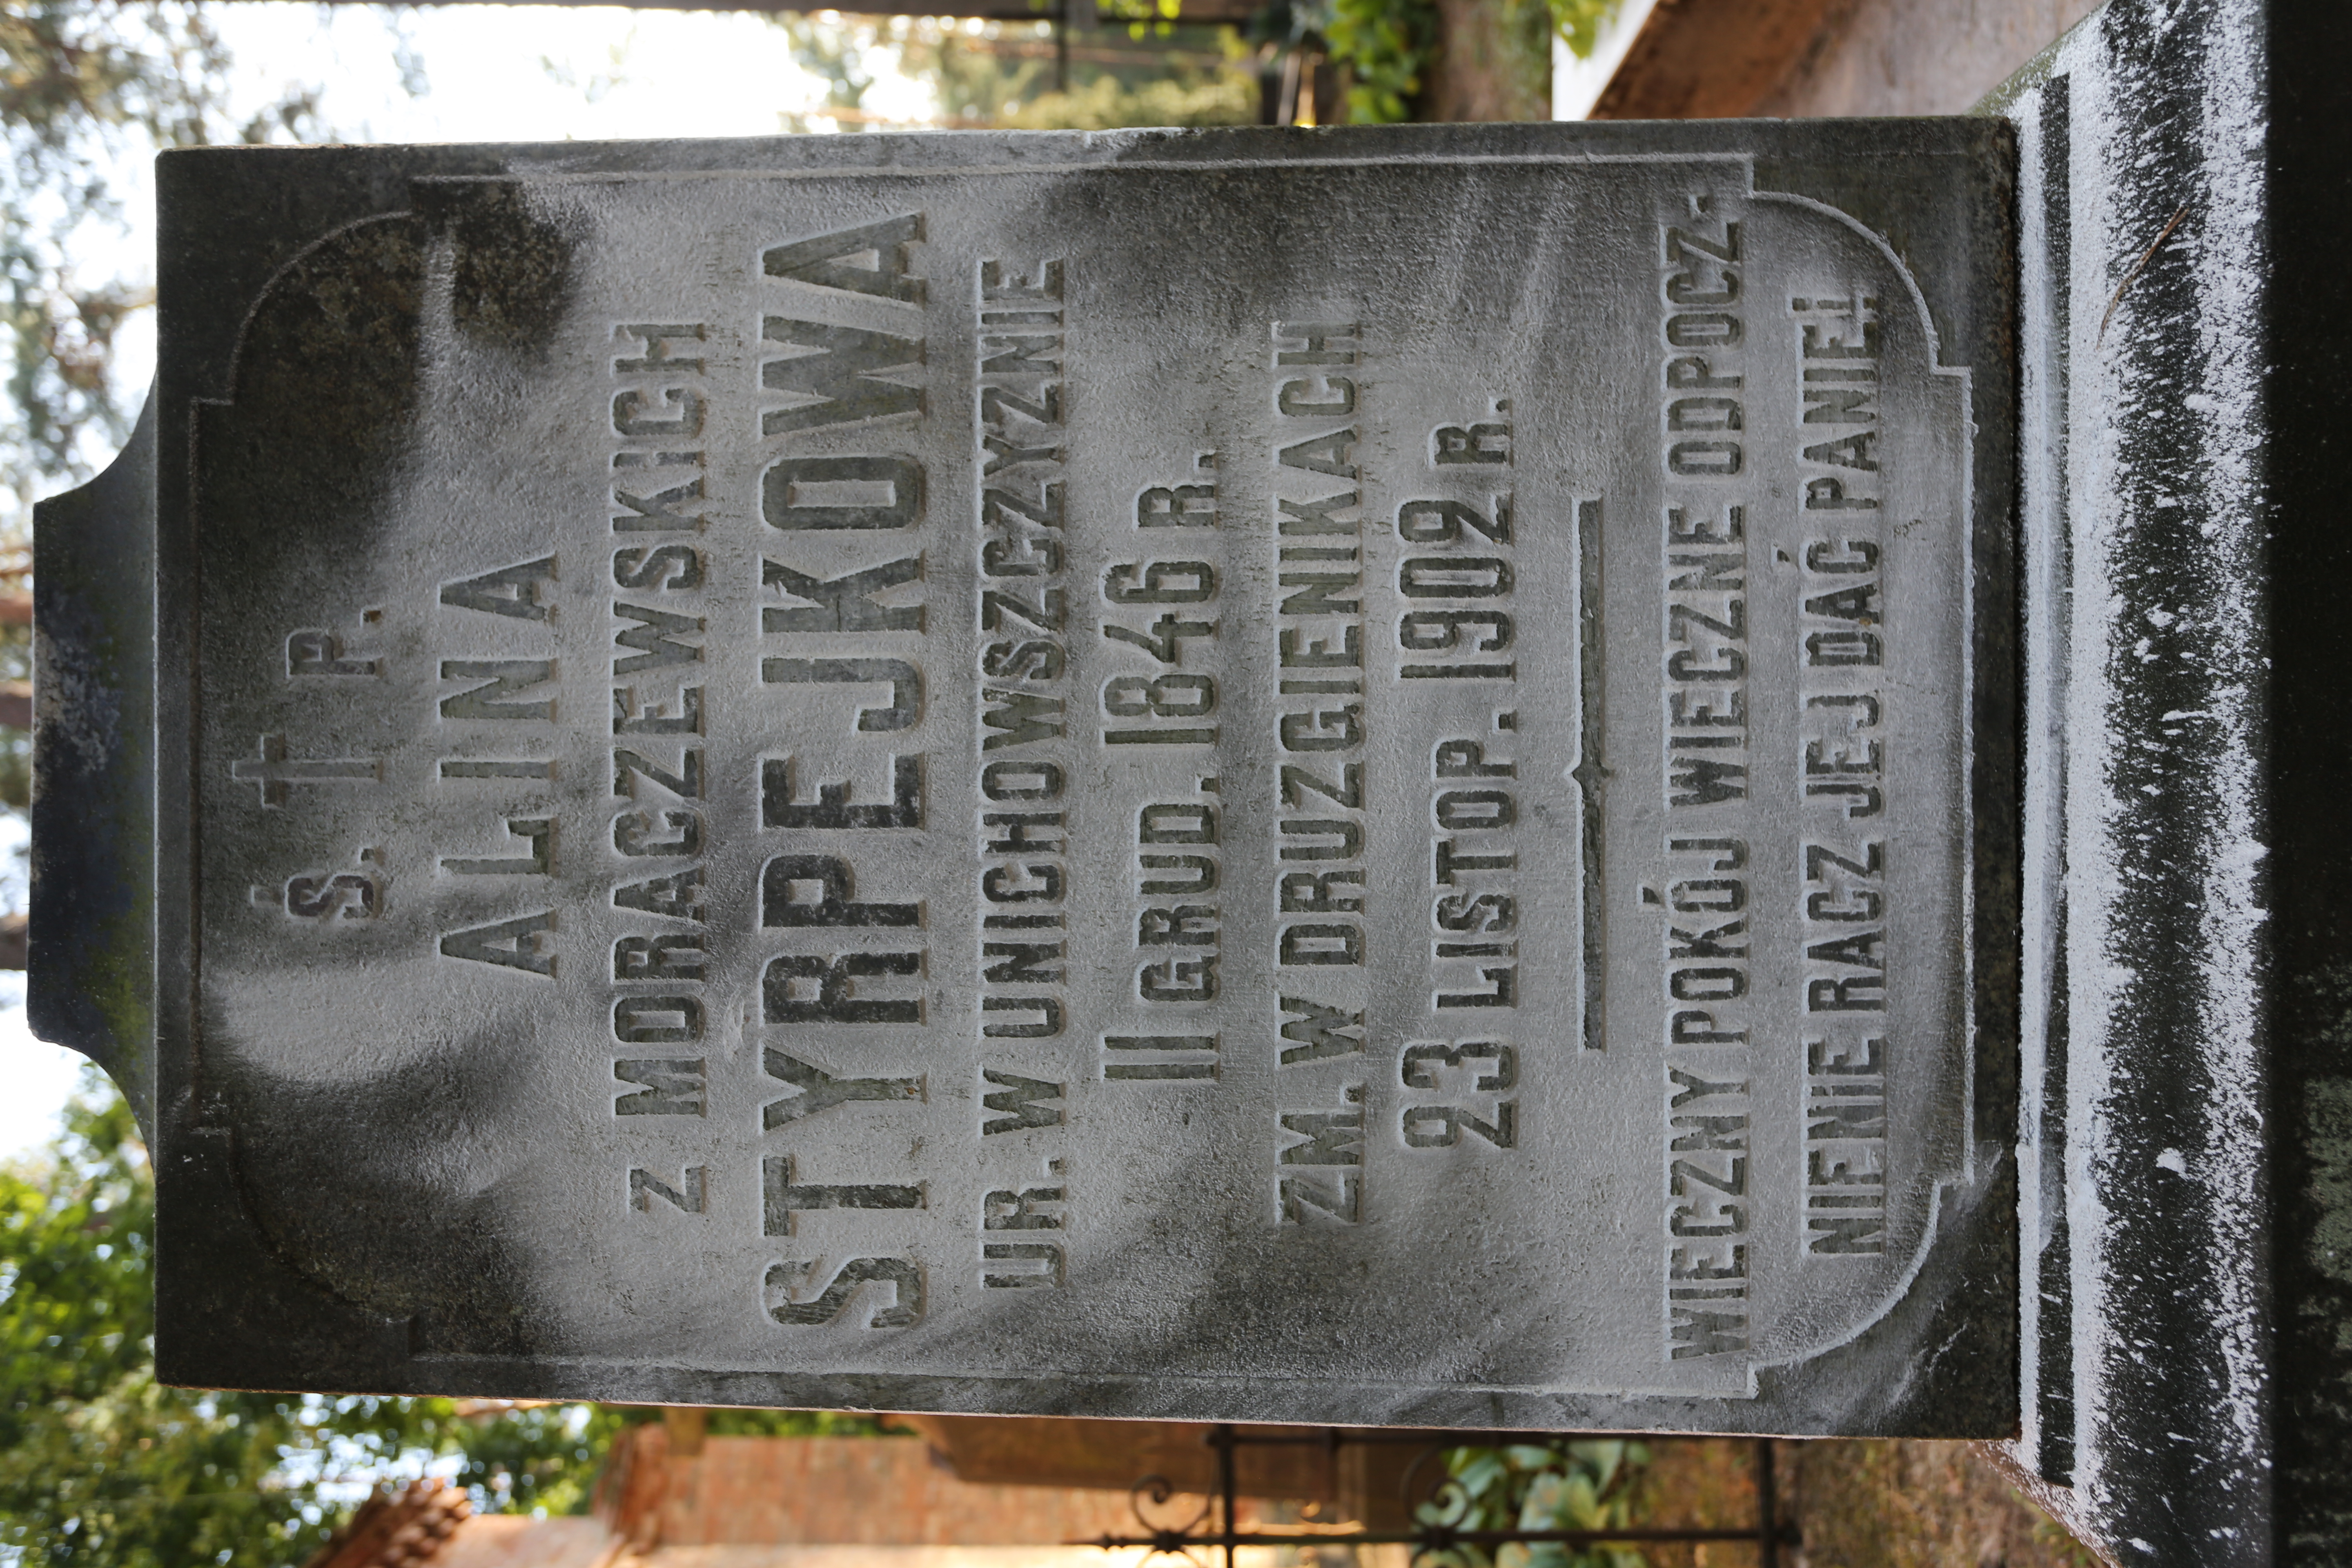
(1337, 777)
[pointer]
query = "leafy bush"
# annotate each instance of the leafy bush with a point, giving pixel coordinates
(101, 1467)
(1583, 1484)
(1579, 22)
(1386, 45)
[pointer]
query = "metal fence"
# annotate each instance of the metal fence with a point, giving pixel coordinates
(1217, 1525)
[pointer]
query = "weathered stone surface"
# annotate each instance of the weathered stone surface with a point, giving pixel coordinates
(2187, 1113)
(1356, 776)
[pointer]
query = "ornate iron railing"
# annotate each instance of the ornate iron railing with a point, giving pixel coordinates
(1217, 1525)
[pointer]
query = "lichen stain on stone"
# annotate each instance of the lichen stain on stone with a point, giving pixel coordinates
(2328, 1140)
(513, 268)
(334, 338)
(324, 409)
(352, 1209)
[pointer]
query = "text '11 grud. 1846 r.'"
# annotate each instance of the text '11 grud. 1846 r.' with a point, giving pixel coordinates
(1148, 776)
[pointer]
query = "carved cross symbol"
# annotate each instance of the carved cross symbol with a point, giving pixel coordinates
(276, 776)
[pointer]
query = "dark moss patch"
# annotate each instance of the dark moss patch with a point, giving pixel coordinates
(513, 269)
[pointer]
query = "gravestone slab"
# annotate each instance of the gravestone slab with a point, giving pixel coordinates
(1361, 776)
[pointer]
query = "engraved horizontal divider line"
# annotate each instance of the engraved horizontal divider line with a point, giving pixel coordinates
(484, 768)
(1591, 768)
(1189, 1061)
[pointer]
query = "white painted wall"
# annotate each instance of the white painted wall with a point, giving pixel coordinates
(1576, 84)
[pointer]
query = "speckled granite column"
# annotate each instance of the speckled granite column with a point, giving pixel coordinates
(2186, 1203)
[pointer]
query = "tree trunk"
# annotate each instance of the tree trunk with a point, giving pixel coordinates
(1492, 62)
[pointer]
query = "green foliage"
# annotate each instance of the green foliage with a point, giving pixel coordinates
(1155, 17)
(1107, 103)
(1583, 1484)
(100, 1466)
(1387, 45)
(999, 75)
(1579, 23)
(16, 664)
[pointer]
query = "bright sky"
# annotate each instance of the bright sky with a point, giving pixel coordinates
(1576, 85)
(528, 73)
(39, 1076)
(502, 73)
(491, 73)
